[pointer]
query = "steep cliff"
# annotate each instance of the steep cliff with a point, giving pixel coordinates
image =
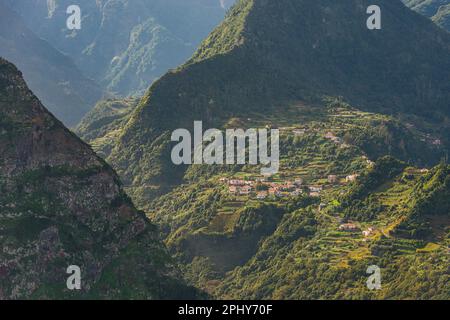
(61, 205)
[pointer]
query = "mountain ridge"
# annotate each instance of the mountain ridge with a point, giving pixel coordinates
(437, 10)
(62, 205)
(262, 72)
(240, 10)
(125, 45)
(52, 75)
(260, 69)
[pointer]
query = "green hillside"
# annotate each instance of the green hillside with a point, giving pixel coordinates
(101, 127)
(269, 55)
(364, 123)
(241, 246)
(307, 257)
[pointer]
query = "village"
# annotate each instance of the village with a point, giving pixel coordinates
(301, 183)
(261, 188)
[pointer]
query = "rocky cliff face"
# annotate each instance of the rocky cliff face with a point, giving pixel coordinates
(61, 205)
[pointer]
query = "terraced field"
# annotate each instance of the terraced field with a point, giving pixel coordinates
(314, 145)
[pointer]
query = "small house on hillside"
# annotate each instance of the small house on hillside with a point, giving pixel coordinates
(236, 182)
(245, 190)
(437, 142)
(351, 178)
(299, 132)
(348, 227)
(368, 232)
(315, 188)
(332, 178)
(261, 195)
(330, 135)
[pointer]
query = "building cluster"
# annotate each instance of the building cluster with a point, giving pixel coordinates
(331, 136)
(353, 227)
(261, 188)
(350, 227)
(431, 140)
(369, 232)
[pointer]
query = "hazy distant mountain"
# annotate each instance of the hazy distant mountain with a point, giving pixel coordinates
(61, 205)
(437, 10)
(125, 44)
(53, 77)
(426, 7)
(442, 17)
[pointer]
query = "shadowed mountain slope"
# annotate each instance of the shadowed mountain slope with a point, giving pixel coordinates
(51, 75)
(437, 10)
(61, 205)
(124, 44)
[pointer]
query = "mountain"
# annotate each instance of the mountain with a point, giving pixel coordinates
(51, 75)
(426, 7)
(125, 44)
(62, 205)
(268, 55)
(442, 17)
(343, 97)
(276, 241)
(437, 10)
(103, 125)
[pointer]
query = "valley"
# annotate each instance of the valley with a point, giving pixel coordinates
(124, 45)
(360, 119)
(221, 219)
